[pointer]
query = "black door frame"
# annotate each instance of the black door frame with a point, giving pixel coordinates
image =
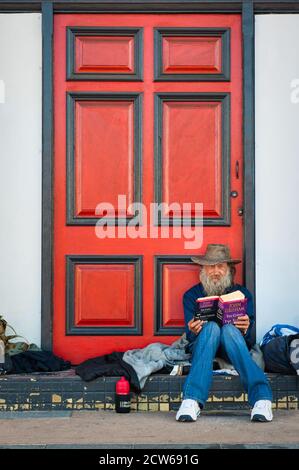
(247, 8)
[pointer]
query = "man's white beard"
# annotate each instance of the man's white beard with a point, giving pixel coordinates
(217, 286)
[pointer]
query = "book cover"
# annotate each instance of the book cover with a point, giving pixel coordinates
(223, 310)
(231, 307)
(228, 312)
(206, 308)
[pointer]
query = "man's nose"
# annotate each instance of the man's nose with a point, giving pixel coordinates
(216, 270)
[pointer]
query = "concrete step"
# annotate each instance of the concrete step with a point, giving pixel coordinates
(162, 392)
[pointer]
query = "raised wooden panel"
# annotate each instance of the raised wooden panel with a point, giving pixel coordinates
(174, 275)
(184, 54)
(95, 53)
(192, 156)
(191, 55)
(104, 295)
(104, 54)
(96, 303)
(104, 155)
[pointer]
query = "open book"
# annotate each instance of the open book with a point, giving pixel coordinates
(222, 309)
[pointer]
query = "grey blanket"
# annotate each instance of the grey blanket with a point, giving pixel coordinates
(155, 356)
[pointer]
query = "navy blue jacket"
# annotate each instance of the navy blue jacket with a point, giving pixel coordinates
(189, 303)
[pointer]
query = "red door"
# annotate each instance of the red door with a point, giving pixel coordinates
(147, 107)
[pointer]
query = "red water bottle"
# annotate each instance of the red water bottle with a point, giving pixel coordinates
(122, 396)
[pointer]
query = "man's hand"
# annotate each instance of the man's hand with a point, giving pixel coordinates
(242, 323)
(195, 325)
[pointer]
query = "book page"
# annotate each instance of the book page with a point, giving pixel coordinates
(211, 297)
(237, 295)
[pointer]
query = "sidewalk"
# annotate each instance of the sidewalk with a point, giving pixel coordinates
(108, 429)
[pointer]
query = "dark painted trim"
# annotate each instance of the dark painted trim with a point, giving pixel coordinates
(73, 31)
(158, 6)
(71, 98)
(224, 99)
(160, 260)
(20, 8)
(138, 6)
(248, 149)
(47, 178)
(277, 6)
(160, 33)
(71, 328)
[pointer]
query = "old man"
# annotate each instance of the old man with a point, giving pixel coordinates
(231, 342)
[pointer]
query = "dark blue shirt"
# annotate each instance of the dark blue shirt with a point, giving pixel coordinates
(189, 303)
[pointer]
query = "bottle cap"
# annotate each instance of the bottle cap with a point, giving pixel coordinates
(123, 386)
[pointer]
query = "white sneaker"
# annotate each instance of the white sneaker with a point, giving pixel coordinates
(189, 410)
(262, 411)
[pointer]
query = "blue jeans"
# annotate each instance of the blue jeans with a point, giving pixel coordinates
(232, 343)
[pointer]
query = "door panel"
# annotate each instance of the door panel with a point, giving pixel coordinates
(189, 153)
(101, 53)
(192, 53)
(93, 308)
(150, 107)
(102, 126)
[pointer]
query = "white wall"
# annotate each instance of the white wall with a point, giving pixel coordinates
(20, 172)
(277, 170)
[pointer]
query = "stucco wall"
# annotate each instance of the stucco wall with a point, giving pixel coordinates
(20, 174)
(277, 169)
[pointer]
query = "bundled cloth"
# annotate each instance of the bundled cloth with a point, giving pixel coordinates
(280, 346)
(155, 356)
(108, 365)
(136, 364)
(33, 361)
(277, 330)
